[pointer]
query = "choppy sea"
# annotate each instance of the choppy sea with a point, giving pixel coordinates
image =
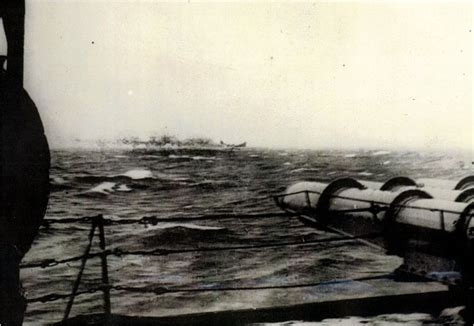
(126, 184)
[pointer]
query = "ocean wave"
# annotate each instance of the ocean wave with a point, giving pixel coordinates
(179, 157)
(57, 183)
(203, 158)
(350, 155)
(55, 179)
(186, 234)
(137, 174)
(378, 153)
(105, 188)
(187, 226)
(123, 188)
(171, 177)
(54, 187)
(365, 173)
(214, 184)
(304, 170)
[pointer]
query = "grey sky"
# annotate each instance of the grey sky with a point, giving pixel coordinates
(345, 74)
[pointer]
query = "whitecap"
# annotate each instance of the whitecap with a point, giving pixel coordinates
(298, 170)
(283, 154)
(123, 188)
(254, 155)
(386, 162)
(171, 177)
(138, 174)
(350, 155)
(57, 179)
(287, 163)
(200, 158)
(103, 188)
(174, 156)
(380, 153)
(304, 170)
(365, 173)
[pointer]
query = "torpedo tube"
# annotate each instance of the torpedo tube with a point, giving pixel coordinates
(464, 183)
(464, 194)
(392, 184)
(341, 195)
(434, 236)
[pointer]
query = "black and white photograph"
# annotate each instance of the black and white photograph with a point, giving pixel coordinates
(277, 163)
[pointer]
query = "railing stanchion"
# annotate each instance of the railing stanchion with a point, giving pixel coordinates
(81, 271)
(105, 272)
(308, 200)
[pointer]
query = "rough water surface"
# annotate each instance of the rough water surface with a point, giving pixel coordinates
(133, 184)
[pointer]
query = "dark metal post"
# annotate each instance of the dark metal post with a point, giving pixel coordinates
(81, 271)
(105, 272)
(24, 165)
(308, 200)
(13, 14)
(441, 217)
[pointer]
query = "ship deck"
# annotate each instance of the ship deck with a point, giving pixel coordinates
(383, 295)
(353, 295)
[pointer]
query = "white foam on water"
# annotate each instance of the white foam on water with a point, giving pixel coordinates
(350, 155)
(174, 156)
(124, 188)
(365, 173)
(57, 179)
(103, 188)
(170, 177)
(201, 158)
(298, 170)
(380, 153)
(138, 174)
(304, 169)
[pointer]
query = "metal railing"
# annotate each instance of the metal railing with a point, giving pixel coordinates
(98, 224)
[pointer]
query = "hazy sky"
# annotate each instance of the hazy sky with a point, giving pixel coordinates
(344, 74)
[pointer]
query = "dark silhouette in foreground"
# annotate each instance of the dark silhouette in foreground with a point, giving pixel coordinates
(25, 160)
